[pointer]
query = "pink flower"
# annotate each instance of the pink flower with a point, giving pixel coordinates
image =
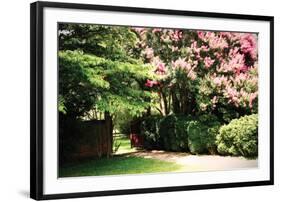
(252, 97)
(174, 48)
(226, 34)
(235, 64)
(217, 42)
(160, 66)
(205, 48)
(249, 44)
(208, 62)
(233, 52)
(241, 69)
(200, 35)
(148, 52)
(240, 78)
(195, 48)
(176, 35)
(192, 75)
(140, 30)
(181, 63)
(156, 30)
(222, 80)
(233, 96)
(150, 83)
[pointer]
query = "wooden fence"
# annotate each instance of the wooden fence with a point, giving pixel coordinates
(80, 139)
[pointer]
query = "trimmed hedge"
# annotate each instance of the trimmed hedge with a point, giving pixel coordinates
(239, 137)
(181, 133)
(173, 133)
(202, 133)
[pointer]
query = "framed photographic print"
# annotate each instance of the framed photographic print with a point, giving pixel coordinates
(136, 100)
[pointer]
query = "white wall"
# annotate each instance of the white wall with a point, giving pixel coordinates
(14, 100)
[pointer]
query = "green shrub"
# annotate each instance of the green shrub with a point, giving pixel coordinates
(173, 134)
(202, 132)
(149, 128)
(239, 137)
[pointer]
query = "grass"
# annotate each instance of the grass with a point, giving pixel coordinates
(123, 163)
(125, 145)
(117, 165)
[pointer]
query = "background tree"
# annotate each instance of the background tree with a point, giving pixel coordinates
(202, 71)
(99, 74)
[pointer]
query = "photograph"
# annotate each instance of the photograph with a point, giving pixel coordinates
(137, 100)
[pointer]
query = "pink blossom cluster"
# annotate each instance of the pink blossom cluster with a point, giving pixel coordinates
(181, 63)
(150, 83)
(159, 65)
(156, 30)
(240, 97)
(176, 35)
(249, 44)
(168, 35)
(240, 90)
(229, 58)
(220, 80)
(235, 63)
(195, 49)
(148, 52)
(140, 30)
(208, 62)
(215, 41)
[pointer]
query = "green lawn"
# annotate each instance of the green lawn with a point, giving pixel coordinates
(117, 165)
(125, 145)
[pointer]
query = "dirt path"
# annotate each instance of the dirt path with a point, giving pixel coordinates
(199, 162)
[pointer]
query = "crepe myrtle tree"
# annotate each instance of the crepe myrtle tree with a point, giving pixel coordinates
(98, 71)
(201, 71)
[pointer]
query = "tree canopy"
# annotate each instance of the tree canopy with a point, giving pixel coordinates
(97, 71)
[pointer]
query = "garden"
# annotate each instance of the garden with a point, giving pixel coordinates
(147, 100)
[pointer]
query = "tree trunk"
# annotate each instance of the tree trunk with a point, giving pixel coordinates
(175, 101)
(165, 102)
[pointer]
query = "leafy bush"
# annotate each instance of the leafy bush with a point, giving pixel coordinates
(202, 133)
(239, 137)
(173, 134)
(150, 130)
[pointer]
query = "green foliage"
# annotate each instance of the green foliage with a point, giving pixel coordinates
(150, 130)
(181, 133)
(202, 133)
(173, 134)
(110, 42)
(239, 137)
(88, 81)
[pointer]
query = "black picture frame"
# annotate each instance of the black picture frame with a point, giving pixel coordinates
(36, 98)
